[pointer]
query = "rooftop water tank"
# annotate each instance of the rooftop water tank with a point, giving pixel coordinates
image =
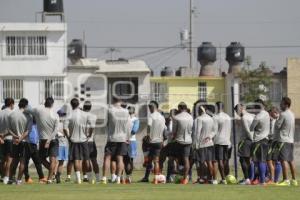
(207, 55)
(235, 56)
(75, 49)
(54, 6)
(167, 71)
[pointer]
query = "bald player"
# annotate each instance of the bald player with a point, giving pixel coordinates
(182, 130)
(222, 139)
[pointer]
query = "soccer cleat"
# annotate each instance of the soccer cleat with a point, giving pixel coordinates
(294, 183)
(214, 182)
(103, 181)
(223, 182)
(85, 180)
(19, 182)
(78, 181)
(245, 182)
(49, 182)
(255, 182)
(270, 182)
(184, 181)
(43, 181)
(128, 180)
(284, 183)
(68, 180)
(144, 180)
(29, 181)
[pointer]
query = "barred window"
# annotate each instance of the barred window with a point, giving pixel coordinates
(54, 87)
(159, 92)
(13, 88)
(26, 46)
(202, 91)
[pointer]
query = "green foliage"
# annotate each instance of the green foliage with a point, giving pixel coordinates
(255, 83)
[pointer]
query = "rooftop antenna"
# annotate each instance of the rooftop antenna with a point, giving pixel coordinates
(112, 50)
(192, 11)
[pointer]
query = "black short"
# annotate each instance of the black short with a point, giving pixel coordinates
(92, 150)
(283, 151)
(206, 154)
(154, 149)
(222, 152)
(52, 151)
(116, 149)
(181, 150)
(171, 148)
(8, 148)
(271, 147)
(259, 151)
(79, 151)
(20, 151)
(244, 148)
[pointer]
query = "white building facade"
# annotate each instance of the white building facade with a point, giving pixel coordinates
(33, 61)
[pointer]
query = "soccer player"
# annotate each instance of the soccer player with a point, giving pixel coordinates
(274, 113)
(33, 153)
(285, 125)
(6, 138)
(77, 127)
(203, 135)
(119, 132)
(63, 147)
(156, 128)
(87, 107)
(261, 128)
(246, 137)
(47, 123)
(222, 139)
(19, 125)
(132, 152)
(182, 130)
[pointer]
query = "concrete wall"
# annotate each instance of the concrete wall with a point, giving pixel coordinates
(293, 84)
(186, 89)
(53, 64)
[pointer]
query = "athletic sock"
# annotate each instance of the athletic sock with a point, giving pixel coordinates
(118, 179)
(262, 171)
(113, 177)
(278, 169)
(97, 177)
(69, 176)
(78, 176)
(85, 176)
(252, 171)
(89, 176)
(148, 171)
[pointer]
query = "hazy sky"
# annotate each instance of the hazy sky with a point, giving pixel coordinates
(156, 23)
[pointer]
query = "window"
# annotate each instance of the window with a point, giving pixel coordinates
(54, 87)
(26, 46)
(202, 91)
(159, 92)
(13, 88)
(275, 91)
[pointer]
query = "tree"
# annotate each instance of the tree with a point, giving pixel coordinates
(255, 83)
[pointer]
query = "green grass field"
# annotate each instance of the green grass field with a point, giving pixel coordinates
(66, 191)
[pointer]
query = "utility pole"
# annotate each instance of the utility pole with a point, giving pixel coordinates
(191, 11)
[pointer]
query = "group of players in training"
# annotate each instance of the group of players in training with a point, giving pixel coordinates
(182, 138)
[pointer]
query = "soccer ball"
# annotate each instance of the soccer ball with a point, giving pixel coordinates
(161, 179)
(230, 179)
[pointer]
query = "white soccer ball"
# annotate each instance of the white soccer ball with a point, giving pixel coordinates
(161, 179)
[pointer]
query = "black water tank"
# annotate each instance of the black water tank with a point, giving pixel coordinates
(207, 52)
(235, 52)
(75, 49)
(53, 6)
(167, 71)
